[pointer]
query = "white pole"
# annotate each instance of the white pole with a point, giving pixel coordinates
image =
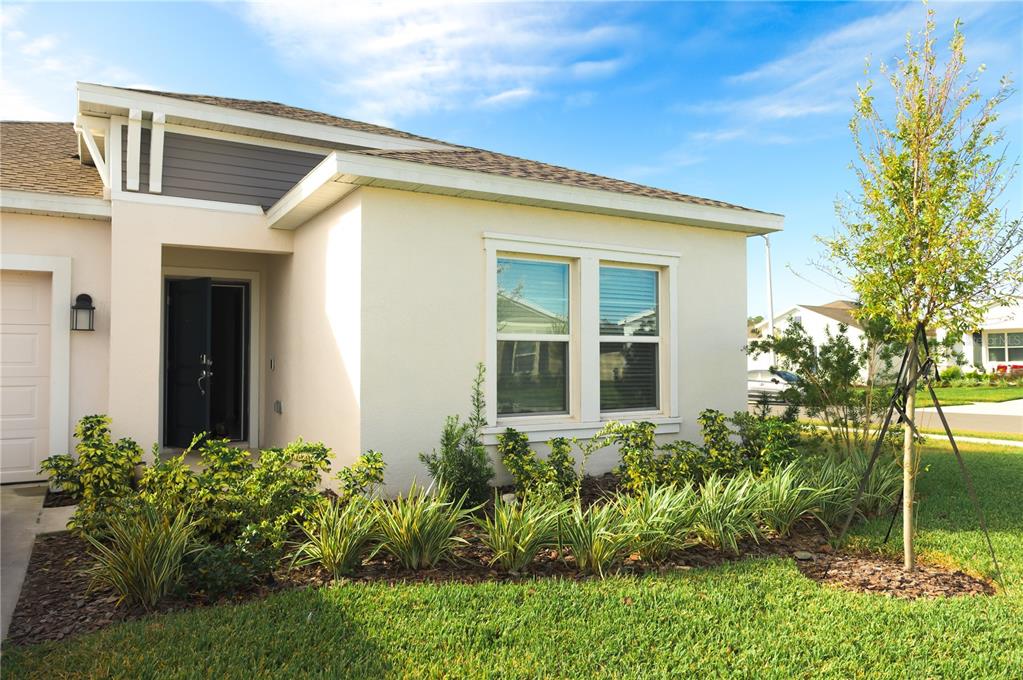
(770, 292)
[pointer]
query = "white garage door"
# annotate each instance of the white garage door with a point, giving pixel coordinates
(24, 374)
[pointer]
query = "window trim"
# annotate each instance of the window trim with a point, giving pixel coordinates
(584, 340)
(1003, 348)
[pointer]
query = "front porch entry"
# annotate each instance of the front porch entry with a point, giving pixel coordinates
(207, 358)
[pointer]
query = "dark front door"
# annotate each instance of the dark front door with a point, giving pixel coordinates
(189, 360)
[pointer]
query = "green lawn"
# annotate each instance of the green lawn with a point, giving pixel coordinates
(756, 618)
(954, 396)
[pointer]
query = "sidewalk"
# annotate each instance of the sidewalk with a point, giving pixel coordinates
(22, 518)
(1005, 416)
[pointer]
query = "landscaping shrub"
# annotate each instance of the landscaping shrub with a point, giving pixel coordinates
(660, 520)
(838, 489)
(518, 530)
(730, 445)
(361, 476)
(785, 496)
(553, 478)
(727, 511)
(950, 373)
(419, 528)
(338, 536)
(141, 552)
(102, 473)
(462, 466)
(597, 536)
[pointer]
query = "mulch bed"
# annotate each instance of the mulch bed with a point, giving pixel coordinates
(58, 499)
(874, 574)
(56, 601)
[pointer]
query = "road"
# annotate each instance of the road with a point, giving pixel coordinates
(994, 417)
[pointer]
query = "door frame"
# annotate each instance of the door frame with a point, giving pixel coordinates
(60, 339)
(254, 316)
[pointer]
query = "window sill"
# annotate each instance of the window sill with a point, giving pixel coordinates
(543, 431)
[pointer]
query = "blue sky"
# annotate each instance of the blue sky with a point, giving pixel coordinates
(743, 102)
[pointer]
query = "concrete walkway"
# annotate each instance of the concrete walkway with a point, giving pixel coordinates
(1005, 416)
(22, 518)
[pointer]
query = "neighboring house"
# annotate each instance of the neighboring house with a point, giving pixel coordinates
(998, 344)
(817, 320)
(266, 272)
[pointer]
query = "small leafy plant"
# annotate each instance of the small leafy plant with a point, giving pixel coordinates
(419, 529)
(597, 536)
(785, 497)
(727, 511)
(102, 472)
(362, 476)
(338, 536)
(660, 520)
(141, 553)
(461, 465)
(518, 530)
(554, 478)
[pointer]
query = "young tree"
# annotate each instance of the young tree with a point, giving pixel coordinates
(924, 239)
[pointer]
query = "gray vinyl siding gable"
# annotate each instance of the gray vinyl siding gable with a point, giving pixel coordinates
(220, 170)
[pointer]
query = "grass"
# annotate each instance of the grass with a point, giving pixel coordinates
(956, 396)
(752, 618)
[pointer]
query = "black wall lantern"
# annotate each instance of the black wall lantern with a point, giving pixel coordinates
(83, 314)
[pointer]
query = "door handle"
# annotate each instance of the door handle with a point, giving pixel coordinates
(205, 374)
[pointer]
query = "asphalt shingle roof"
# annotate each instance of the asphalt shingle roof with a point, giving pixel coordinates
(43, 157)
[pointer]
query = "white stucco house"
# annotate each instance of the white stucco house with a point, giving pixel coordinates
(265, 272)
(817, 320)
(997, 346)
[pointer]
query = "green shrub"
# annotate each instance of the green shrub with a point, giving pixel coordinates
(517, 531)
(553, 478)
(361, 476)
(730, 445)
(101, 474)
(883, 485)
(950, 373)
(141, 553)
(785, 497)
(338, 536)
(462, 466)
(838, 489)
(597, 536)
(225, 570)
(62, 471)
(660, 520)
(419, 528)
(727, 511)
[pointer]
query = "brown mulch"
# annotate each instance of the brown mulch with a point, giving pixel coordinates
(56, 601)
(58, 499)
(875, 574)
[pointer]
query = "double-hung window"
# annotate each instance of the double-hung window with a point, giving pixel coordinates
(579, 333)
(629, 338)
(1005, 346)
(532, 335)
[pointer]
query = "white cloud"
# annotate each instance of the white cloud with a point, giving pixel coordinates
(816, 79)
(40, 71)
(397, 59)
(514, 96)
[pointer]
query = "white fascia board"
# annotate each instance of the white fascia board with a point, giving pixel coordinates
(341, 166)
(179, 109)
(36, 203)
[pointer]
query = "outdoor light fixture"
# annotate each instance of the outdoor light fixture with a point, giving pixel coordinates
(83, 314)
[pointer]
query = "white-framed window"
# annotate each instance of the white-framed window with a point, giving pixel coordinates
(579, 333)
(1005, 346)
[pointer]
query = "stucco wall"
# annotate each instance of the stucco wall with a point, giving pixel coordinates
(87, 243)
(314, 322)
(139, 233)
(423, 325)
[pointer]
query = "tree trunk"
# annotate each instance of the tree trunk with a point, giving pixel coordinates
(909, 467)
